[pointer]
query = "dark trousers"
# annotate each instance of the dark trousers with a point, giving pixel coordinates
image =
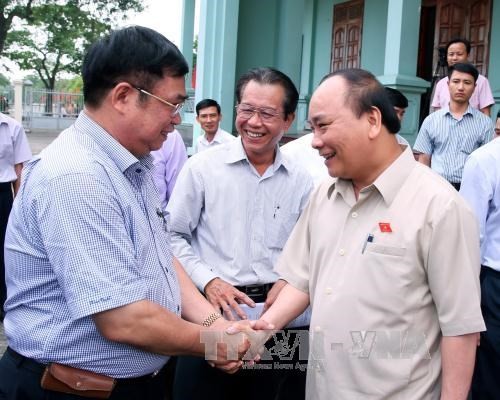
(6, 199)
(486, 379)
(20, 380)
(282, 378)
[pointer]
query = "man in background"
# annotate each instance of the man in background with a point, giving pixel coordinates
(457, 51)
(481, 189)
(168, 162)
(449, 135)
(14, 151)
(208, 115)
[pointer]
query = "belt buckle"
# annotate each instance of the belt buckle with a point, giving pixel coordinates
(255, 290)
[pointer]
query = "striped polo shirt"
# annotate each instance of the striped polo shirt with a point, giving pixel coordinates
(449, 140)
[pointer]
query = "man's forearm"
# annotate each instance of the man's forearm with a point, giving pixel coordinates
(195, 307)
(458, 356)
(290, 303)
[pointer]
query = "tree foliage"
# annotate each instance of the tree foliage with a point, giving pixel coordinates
(53, 35)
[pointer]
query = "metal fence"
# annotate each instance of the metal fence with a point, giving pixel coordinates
(51, 103)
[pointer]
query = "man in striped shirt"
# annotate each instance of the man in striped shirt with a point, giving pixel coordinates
(449, 135)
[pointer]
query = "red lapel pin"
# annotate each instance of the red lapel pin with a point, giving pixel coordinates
(385, 227)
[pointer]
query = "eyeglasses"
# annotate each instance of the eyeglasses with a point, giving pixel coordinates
(177, 107)
(245, 111)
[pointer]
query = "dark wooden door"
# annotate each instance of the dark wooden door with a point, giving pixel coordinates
(346, 35)
(470, 19)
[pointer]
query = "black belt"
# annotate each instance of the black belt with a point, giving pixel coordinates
(257, 293)
(5, 186)
(37, 367)
(456, 185)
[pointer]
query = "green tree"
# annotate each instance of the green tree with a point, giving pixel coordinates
(55, 41)
(57, 37)
(4, 81)
(107, 12)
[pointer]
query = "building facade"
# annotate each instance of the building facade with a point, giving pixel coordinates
(397, 40)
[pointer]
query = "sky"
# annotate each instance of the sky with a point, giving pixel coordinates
(164, 16)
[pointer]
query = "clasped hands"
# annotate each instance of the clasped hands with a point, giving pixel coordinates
(241, 341)
(230, 344)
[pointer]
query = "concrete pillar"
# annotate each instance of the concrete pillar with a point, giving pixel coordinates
(401, 51)
(217, 41)
(18, 100)
(187, 36)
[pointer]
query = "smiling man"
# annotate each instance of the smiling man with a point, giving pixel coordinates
(231, 211)
(449, 135)
(386, 253)
(94, 293)
(208, 116)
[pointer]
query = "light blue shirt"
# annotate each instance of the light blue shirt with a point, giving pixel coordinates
(449, 141)
(481, 188)
(227, 221)
(84, 236)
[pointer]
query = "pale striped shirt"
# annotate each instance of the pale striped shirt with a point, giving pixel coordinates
(449, 140)
(227, 221)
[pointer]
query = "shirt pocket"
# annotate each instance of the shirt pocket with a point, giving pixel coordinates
(279, 229)
(468, 147)
(395, 251)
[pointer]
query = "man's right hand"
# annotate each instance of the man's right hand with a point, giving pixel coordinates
(225, 296)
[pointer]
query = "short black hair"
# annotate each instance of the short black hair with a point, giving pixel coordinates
(498, 114)
(459, 40)
(270, 76)
(136, 54)
(396, 98)
(365, 92)
(465, 68)
(205, 103)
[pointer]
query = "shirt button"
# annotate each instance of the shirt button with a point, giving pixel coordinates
(328, 290)
(354, 215)
(341, 252)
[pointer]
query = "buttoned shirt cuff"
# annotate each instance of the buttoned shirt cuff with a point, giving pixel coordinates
(201, 277)
(465, 327)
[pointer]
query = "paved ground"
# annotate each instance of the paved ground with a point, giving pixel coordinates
(38, 140)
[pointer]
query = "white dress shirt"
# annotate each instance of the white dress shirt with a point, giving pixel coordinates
(481, 189)
(227, 221)
(221, 136)
(14, 147)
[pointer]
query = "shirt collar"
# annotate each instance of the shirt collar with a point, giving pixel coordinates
(237, 153)
(123, 158)
(470, 110)
(3, 119)
(388, 183)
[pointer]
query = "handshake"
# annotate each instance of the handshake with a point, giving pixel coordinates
(229, 344)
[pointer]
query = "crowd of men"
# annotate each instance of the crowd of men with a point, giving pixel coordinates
(120, 252)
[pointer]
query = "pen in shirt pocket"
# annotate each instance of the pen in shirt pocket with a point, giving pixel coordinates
(369, 239)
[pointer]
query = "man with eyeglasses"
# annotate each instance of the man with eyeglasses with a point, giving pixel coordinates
(231, 211)
(94, 293)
